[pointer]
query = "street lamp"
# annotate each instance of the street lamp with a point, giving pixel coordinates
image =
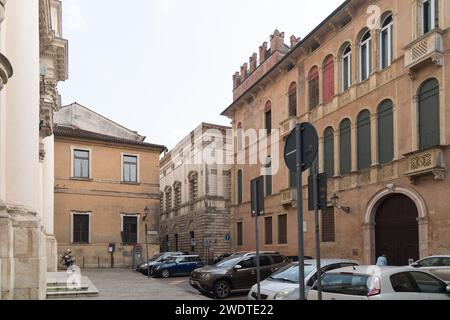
(335, 200)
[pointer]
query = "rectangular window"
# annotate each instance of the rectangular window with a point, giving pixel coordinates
(328, 226)
(130, 230)
(80, 228)
(239, 187)
(293, 105)
(81, 164)
(130, 169)
(269, 190)
(269, 122)
(268, 230)
(282, 229)
(347, 73)
(239, 234)
(429, 15)
(192, 234)
(292, 179)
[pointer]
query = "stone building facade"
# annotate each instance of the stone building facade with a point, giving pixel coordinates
(33, 59)
(372, 80)
(195, 194)
(106, 190)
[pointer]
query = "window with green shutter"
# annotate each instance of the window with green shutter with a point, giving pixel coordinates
(429, 132)
(345, 147)
(328, 156)
(364, 140)
(385, 132)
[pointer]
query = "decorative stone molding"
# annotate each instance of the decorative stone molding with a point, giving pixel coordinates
(287, 126)
(426, 162)
(2, 10)
(6, 70)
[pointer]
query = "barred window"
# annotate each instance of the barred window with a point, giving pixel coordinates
(328, 225)
(282, 229)
(239, 234)
(268, 230)
(81, 228)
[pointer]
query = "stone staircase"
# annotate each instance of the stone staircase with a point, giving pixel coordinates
(59, 288)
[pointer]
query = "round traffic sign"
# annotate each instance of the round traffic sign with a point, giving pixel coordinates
(309, 147)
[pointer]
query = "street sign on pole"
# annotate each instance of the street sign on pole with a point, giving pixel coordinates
(299, 154)
(257, 201)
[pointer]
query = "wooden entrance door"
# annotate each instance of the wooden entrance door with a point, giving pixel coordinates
(397, 230)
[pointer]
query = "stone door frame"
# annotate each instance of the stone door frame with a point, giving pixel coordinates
(370, 214)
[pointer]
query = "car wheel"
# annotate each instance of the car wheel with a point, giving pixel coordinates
(222, 289)
(165, 273)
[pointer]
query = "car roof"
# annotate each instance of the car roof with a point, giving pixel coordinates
(436, 256)
(370, 270)
(327, 262)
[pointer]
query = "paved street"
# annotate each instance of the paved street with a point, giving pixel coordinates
(125, 284)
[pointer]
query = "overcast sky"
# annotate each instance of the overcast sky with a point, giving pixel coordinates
(161, 67)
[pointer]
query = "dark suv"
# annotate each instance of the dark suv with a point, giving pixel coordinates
(236, 273)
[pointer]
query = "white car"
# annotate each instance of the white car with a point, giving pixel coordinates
(283, 284)
(380, 283)
(437, 265)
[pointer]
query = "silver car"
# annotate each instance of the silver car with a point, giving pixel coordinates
(283, 284)
(381, 283)
(437, 265)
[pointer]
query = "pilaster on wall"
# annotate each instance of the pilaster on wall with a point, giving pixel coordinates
(6, 256)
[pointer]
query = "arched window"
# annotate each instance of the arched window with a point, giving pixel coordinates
(346, 68)
(364, 141)
(293, 100)
(429, 131)
(386, 42)
(345, 147)
(385, 132)
(328, 154)
(430, 15)
(313, 80)
(239, 187)
(328, 79)
(268, 116)
(365, 56)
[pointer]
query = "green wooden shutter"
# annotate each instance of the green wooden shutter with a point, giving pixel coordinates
(329, 152)
(345, 147)
(385, 132)
(429, 132)
(364, 141)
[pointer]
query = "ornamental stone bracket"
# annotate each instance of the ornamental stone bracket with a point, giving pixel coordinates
(428, 162)
(50, 103)
(6, 70)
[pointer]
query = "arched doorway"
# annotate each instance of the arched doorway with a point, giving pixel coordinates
(397, 230)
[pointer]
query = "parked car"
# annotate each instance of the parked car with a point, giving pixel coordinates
(161, 257)
(177, 266)
(437, 265)
(381, 283)
(284, 285)
(236, 273)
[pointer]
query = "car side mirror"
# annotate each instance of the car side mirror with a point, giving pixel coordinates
(237, 267)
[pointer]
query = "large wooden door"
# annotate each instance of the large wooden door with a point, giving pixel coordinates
(397, 230)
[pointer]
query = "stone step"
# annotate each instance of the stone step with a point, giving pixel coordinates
(57, 287)
(65, 288)
(71, 294)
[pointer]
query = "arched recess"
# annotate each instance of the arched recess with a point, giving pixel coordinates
(370, 216)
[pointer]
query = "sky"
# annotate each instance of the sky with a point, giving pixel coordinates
(162, 67)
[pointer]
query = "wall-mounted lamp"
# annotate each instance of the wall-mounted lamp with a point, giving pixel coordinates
(146, 212)
(335, 200)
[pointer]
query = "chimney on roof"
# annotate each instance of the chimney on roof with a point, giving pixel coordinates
(244, 69)
(277, 41)
(253, 60)
(263, 53)
(294, 41)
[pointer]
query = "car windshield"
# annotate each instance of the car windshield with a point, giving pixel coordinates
(290, 274)
(156, 257)
(229, 262)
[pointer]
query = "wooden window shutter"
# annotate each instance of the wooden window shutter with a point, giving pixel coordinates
(364, 141)
(429, 131)
(345, 147)
(328, 80)
(329, 152)
(385, 132)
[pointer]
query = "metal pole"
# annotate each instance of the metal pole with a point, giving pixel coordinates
(301, 255)
(316, 215)
(258, 267)
(146, 249)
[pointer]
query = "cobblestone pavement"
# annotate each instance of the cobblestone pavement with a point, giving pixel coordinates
(125, 284)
